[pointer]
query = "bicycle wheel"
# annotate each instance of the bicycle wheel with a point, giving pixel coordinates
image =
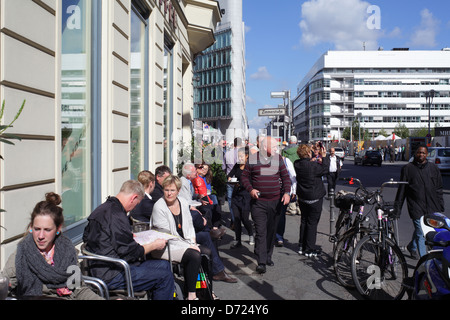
(343, 223)
(378, 273)
(342, 258)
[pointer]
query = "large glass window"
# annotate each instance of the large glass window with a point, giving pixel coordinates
(168, 103)
(76, 109)
(137, 118)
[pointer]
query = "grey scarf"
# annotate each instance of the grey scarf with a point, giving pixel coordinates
(33, 271)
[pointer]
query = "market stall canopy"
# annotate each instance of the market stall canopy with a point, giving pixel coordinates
(393, 137)
(380, 137)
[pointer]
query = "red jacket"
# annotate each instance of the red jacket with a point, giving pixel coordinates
(200, 188)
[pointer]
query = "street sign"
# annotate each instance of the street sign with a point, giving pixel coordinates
(271, 112)
(278, 124)
(442, 131)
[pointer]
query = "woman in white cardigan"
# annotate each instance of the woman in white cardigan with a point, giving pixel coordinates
(171, 214)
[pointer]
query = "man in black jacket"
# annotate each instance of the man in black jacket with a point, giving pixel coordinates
(423, 193)
(161, 173)
(108, 233)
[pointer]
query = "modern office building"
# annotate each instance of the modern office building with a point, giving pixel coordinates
(108, 86)
(380, 88)
(220, 94)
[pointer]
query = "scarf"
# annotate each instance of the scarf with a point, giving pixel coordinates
(33, 271)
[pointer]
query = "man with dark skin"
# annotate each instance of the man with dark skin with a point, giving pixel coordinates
(423, 194)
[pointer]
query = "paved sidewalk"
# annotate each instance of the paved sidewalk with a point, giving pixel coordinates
(293, 277)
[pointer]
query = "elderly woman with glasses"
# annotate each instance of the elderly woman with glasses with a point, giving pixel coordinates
(172, 214)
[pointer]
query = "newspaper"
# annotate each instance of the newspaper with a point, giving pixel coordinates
(149, 236)
(194, 203)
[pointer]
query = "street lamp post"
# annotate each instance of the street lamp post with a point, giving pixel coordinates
(429, 95)
(285, 95)
(359, 128)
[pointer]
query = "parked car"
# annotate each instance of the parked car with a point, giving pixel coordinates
(368, 157)
(439, 156)
(339, 152)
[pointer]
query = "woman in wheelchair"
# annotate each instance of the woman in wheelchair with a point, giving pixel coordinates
(39, 267)
(171, 214)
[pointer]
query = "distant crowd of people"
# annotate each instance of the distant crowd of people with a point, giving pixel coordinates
(260, 193)
(390, 152)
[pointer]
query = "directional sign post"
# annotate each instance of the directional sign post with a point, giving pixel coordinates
(271, 112)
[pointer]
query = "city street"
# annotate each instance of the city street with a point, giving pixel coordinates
(296, 277)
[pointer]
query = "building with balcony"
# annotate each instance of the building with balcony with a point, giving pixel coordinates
(109, 92)
(380, 88)
(219, 77)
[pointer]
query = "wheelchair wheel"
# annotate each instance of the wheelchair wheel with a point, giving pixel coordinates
(178, 292)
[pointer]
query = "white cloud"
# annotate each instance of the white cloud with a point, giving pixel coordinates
(258, 123)
(261, 74)
(395, 33)
(343, 23)
(425, 34)
(249, 99)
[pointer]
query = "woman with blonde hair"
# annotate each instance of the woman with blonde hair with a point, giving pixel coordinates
(172, 214)
(310, 193)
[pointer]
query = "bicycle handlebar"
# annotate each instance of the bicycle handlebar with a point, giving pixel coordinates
(392, 182)
(370, 195)
(352, 180)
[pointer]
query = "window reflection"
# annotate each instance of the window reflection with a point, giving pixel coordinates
(168, 104)
(137, 120)
(76, 109)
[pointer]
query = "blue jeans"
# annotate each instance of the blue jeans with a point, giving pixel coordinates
(154, 276)
(204, 239)
(418, 240)
(213, 198)
(230, 189)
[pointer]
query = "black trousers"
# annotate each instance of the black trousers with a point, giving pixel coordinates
(331, 179)
(310, 217)
(241, 216)
(191, 261)
(265, 215)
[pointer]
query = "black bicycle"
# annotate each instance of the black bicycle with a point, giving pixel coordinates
(348, 204)
(349, 229)
(378, 265)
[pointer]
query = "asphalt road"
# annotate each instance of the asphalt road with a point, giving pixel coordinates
(296, 277)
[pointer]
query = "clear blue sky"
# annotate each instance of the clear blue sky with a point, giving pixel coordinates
(284, 38)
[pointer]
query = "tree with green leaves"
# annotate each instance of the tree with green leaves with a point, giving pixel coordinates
(401, 130)
(356, 126)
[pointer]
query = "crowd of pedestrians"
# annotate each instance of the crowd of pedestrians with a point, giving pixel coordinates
(392, 153)
(264, 184)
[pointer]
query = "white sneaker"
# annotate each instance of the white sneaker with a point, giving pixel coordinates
(311, 253)
(251, 240)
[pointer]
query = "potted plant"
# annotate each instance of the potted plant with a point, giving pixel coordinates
(7, 137)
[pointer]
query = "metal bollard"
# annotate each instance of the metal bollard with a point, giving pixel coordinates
(332, 216)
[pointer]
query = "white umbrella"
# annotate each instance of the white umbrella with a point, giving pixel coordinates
(380, 137)
(393, 137)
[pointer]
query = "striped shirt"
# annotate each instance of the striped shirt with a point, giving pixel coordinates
(269, 176)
